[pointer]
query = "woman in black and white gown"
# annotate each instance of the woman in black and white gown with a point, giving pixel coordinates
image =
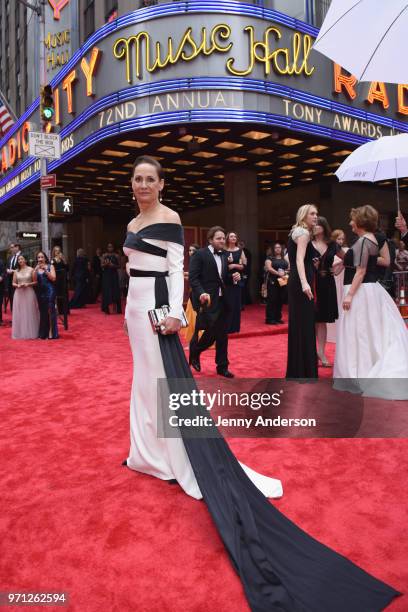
(280, 566)
(372, 338)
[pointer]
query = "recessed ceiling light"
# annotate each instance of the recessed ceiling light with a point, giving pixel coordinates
(266, 188)
(189, 138)
(194, 173)
(306, 179)
(327, 174)
(219, 176)
(218, 130)
(264, 173)
(167, 149)
(288, 155)
(169, 170)
(260, 151)
(317, 148)
(86, 168)
(309, 171)
(341, 153)
(159, 134)
(122, 172)
(286, 176)
(254, 135)
(263, 163)
(313, 160)
(288, 167)
(213, 166)
(115, 153)
(265, 182)
(284, 184)
(205, 154)
(334, 165)
(236, 160)
(385, 183)
(135, 144)
(74, 175)
(229, 145)
(102, 162)
(203, 182)
(289, 142)
(180, 179)
(105, 178)
(184, 162)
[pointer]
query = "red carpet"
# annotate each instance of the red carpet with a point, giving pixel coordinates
(74, 520)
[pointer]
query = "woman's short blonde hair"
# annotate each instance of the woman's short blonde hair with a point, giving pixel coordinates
(365, 217)
(301, 215)
(336, 233)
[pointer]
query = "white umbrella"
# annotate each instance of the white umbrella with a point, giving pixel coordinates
(368, 38)
(377, 160)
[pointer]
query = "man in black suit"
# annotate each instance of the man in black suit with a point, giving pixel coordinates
(15, 250)
(401, 224)
(208, 276)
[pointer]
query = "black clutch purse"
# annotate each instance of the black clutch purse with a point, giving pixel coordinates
(158, 314)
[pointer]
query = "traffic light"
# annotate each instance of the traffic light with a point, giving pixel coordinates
(47, 103)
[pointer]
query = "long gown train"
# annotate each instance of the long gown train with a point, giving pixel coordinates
(280, 566)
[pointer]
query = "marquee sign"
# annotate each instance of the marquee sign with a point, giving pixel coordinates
(257, 63)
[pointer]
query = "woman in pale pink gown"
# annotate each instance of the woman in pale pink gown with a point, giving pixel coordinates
(26, 316)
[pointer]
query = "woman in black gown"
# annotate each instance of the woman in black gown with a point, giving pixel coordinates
(80, 274)
(280, 566)
(302, 355)
(233, 291)
(276, 267)
(326, 294)
(61, 284)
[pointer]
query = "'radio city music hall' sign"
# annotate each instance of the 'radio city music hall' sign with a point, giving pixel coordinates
(239, 47)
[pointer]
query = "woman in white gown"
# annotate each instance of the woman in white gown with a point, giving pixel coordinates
(26, 315)
(372, 338)
(280, 566)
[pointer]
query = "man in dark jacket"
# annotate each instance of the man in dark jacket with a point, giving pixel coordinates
(208, 275)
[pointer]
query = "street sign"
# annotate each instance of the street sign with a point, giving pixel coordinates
(48, 181)
(28, 235)
(44, 145)
(63, 205)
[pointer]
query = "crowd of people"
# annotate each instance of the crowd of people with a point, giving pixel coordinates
(37, 290)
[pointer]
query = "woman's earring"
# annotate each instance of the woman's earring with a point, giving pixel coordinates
(160, 197)
(133, 196)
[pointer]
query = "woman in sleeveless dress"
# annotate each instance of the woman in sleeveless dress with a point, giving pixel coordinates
(372, 338)
(280, 566)
(45, 276)
(326, 294)
(26, 317)
(302, 356)
(236, 263)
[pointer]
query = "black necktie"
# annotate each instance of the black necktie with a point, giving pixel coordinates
(218, 253)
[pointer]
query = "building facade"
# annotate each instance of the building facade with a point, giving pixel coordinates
(247, 119)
